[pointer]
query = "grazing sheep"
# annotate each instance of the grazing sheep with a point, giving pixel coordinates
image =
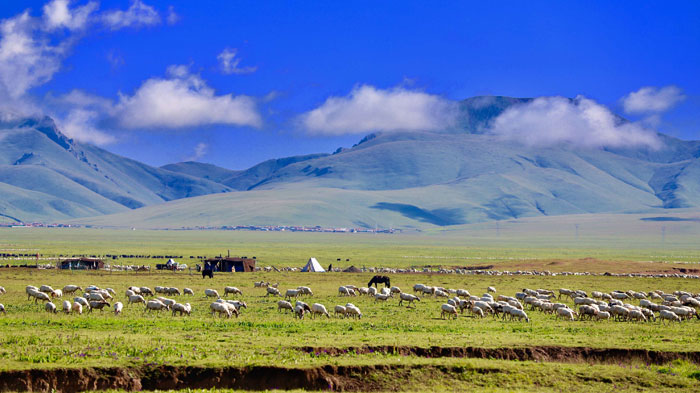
(159, 289)
(233, 290)
(284, 305)
(587, 311)
(2, 309)
(409, 298)
(188, 291)
(395, 290)
(340, 310)
(260, 284)
(491, 289)
(619, 312)
(66, 306)
(305, 291)
(272, 291)
(94, 296)
(353, 311)
(427, 290)
(566, 313)
(211, 293)
(665, 315)
(136, 290)
(371, 291)
(345, 291)
(363, 291)
(441, 293)
(182, 309)
(636, 315)
(381, 297)
(40, 296)
(172, 291)
(45, 289)
(77, 308)
(129, 292)
(2, 291)
(50, 307)
(463, 293)
(71, 289)
(302, 304)
(318, 308)
(221, 309)
(291, 293)
(602, 315)
(155, 305)
(447, 309)
(82, 301)
(98, 305)
(146, 291)
(519, 314)
(299, 311)
(118, 306)
(136, 299)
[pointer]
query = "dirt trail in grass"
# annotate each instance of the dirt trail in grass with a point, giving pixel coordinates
(540, 353)
(328, 377)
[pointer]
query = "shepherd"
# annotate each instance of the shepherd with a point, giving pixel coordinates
(376, 280)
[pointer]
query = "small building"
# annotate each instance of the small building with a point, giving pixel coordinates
(81, 264)
(230, 264)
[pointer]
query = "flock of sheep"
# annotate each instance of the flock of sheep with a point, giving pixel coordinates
(615, 305)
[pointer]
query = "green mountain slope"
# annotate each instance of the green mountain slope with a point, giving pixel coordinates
(35, 156)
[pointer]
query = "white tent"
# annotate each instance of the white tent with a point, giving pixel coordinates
(313, 266)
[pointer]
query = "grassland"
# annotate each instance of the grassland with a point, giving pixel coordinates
(31, 338)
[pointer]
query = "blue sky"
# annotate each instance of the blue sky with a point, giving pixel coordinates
(293, 56)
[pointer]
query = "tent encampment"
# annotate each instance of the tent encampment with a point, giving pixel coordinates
(313, 266)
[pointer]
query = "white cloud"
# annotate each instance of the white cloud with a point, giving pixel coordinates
(229, 63)
(172, 17)
(138, 14)
(183, 100)
(57, 14)
(367, 108)
(199, 151)
(582, 122)
(652, 99)
(27, 59)
(80, 125)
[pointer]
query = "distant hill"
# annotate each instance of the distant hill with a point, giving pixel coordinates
(46, 176)
(402, 180)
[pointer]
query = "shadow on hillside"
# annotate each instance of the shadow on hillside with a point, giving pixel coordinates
(440, 217)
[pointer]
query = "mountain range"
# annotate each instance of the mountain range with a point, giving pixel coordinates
(401, 180)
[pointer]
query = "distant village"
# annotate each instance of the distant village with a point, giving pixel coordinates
(261, 228)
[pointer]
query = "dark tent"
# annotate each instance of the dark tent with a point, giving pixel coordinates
(352, 269)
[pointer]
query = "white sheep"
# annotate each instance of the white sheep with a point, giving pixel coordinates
(136, 299)
(144, 291)
(155, 305)
(305, 291)
(371, 291)
(381, 296)
(567, 313)
(299, 311)
(463, 293)
(665, 315)
(77, 308)
(491, 289)
(40, 296)
(56, 293)
(318, 308)
(94, 296)
(519, 314)
(395, 290)
(82, 301)
(636, 315)
(353, 311)
(2, 309)
(172, 291)
(291, 293)
(409, 298)
(345, 291)
(118, 306)
(2, 291)
(188, 291)
(447, 309)
(66, 306)
(233, 290)
(182, 309)
(363, 290)
(221, 309)
(272, 291)
(340, 310)
(129, 292)
(46, 289)
(211, 293)
(602, 315)
(284, 305)
(50, 307)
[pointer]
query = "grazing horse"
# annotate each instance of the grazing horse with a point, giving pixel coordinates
(376, 280)
(207, 272)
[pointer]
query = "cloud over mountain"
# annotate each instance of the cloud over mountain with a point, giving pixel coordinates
(368, 109)
(652, 99)
(580, 122)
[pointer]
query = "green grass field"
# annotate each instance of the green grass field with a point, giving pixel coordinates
(32, 338)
